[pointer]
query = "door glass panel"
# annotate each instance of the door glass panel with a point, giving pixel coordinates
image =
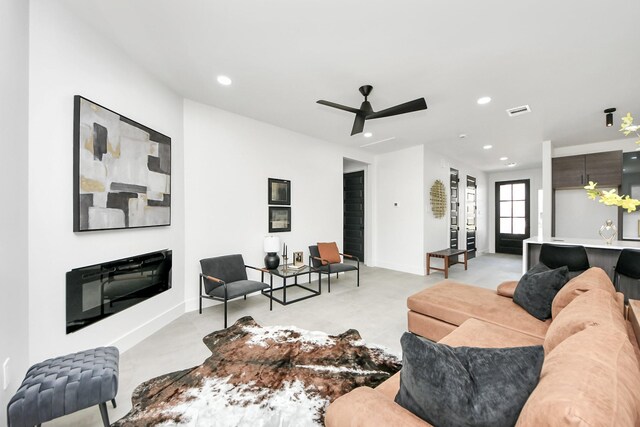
(518, 191)
(518, 225)
(505, 192)
(505, 209)
(505, 225)
(518, 209)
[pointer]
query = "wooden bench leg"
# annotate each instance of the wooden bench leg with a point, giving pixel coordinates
(465, 259)
(428, 264)
(446, 267)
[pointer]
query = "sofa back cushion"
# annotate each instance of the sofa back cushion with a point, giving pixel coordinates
(593, 278)
(589, 379)
(329, 251)
(593, 308)
(538, 287)
(466, 386)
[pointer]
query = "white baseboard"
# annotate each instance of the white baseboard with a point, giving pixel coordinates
(138, 334)
(405, 268)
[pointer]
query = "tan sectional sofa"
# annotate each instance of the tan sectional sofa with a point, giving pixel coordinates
(591, 372)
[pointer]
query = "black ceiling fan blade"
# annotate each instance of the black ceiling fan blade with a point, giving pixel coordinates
(338, 106)
(358, 124)
(407, 107)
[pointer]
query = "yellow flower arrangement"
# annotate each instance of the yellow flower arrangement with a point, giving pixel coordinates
(611, 197)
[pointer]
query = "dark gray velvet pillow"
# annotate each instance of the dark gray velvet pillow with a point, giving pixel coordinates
(537, 288)
(466, 386)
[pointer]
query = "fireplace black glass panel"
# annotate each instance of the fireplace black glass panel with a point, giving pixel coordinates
(98, 291)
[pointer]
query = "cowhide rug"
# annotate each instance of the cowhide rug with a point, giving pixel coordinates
(261, 376)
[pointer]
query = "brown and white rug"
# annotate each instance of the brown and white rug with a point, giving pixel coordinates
(261, 376)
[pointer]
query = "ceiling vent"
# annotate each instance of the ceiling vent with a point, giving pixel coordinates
(517, 111)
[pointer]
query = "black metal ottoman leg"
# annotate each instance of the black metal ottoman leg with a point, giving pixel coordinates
(105, 415)
(113, 402)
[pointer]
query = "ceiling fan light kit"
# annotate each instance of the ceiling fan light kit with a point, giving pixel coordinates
(366, 112)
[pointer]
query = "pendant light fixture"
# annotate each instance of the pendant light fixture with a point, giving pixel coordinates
(609, 116)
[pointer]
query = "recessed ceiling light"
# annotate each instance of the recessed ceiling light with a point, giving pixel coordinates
(487, 147)
(462, 136)
(502, 159)
(224, 80)
(367, 134)
(512, 164)
(484, 100)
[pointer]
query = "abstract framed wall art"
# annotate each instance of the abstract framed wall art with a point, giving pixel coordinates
(279, 219)
(121, 171)
(279, 191)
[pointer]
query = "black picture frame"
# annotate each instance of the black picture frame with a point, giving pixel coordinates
(279, 191)
(279, 219)
(97, 139)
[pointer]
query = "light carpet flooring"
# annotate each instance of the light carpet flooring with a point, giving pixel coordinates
(377, 309)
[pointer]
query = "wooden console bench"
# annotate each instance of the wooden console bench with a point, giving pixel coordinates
(450, 257)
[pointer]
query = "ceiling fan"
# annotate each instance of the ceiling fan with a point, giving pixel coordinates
(365, 112)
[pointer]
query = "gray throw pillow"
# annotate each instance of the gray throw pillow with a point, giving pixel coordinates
(466, 386)
(538, 287)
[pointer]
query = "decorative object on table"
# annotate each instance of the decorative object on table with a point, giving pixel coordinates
(279, 191)
(270, 376)
(285, 256)
(279, 219)
(64, 385)
(608, 231)
(225, 277)
(271, 247)
(611, 197)
(298, 259)
(438, 197)
(121, 171)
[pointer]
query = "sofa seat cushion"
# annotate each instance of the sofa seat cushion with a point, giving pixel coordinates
(454, 303)
(478, 333)
(593, 308)
(466, 386)
(589, 379)
(365, 407)
(593, 278)
(506, 289)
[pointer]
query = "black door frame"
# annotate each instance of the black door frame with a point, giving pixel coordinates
(527, 207)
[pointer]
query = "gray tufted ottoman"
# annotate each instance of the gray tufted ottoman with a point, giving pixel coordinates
(63, 385)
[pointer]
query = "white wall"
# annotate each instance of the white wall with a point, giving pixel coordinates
(14, 274)
(399, 228)
(67, 58)
(578, 216)
(229, 159)
(535, 183)
(436, 230)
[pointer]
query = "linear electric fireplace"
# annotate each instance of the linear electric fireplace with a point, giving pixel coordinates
(98, 291)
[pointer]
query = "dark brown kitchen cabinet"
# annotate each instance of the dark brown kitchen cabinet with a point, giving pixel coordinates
(576, 171)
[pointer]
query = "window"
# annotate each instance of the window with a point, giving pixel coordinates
(513, 212)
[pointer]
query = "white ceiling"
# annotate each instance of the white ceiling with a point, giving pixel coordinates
(568, 60)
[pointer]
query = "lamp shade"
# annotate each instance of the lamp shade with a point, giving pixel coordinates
(271, 244)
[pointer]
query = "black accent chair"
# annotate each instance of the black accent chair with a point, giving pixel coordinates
(328, 268)
(628, 265)
(225, 277)
(556, 256)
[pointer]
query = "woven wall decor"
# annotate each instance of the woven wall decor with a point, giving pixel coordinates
(438, 195)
